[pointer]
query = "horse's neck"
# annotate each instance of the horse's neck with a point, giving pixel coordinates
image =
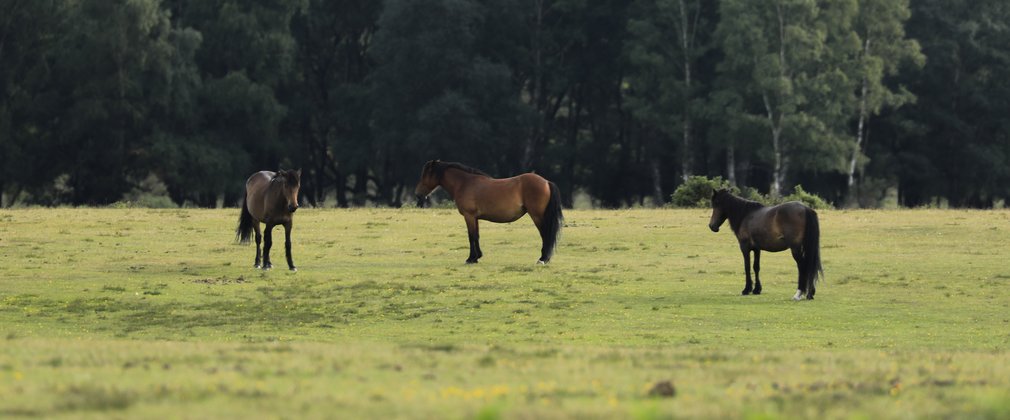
(453, 180)
(275, 195)
(738, 212)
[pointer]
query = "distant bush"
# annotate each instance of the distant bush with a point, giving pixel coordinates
(697, 191)
(753, 194)
(149, 192)
(810, 199)
(146, 201)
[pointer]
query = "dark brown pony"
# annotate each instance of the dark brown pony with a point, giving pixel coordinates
(270, 198)
(480, 197)
(790, 226)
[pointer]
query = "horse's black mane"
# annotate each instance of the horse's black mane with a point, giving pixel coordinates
(739, 205)
(289, 177)
(736, 207)
(439, 167)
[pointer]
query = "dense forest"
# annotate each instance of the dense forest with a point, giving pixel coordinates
(110, 100)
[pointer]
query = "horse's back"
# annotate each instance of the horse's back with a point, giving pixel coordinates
(777, 228)
(259, 178)
(504, 200)
(255, 186)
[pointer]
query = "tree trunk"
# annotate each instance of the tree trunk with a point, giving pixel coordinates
(775, 121)
(778, 177)
(657, 182)
(341, 186)
(731, 165)
(574, 119)
(851, 192)
(360, 190)
(538, 97)
(397, 195)
(686, 45)
(778, 173)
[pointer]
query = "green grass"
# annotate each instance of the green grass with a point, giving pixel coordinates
(157, 313)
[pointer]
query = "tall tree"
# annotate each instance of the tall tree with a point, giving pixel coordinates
(111, 59)
(246, 65)
(791, 56)
(30, 32)
(884, 48)
(332, 109)
(662, 83)
(957, 145)
(435, 94)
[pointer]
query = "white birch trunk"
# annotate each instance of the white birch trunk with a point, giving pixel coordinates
(860, 129)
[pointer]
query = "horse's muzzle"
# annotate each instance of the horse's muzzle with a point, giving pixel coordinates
(291, 209)
(714, 228)
(420, 200)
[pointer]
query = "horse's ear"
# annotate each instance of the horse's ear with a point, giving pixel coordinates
(298, 172)
(714, 192)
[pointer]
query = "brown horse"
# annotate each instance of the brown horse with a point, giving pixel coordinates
(270, 198)
(478, 196)
(791, 225)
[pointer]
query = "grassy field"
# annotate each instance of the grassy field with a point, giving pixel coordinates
(158, 313)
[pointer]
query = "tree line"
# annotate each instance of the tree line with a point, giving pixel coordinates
(102, 100)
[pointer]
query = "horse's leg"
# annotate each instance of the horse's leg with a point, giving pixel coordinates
(757, 271)
(538, 221)
(746, 268)
(287, 246)
(801, 287)
(474, 236)
(259, 238)
(268, 241)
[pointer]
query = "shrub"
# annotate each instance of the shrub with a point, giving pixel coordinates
(751, 193)
(697, 191)
(811, 200)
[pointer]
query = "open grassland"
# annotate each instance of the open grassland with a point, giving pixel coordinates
(157, 313)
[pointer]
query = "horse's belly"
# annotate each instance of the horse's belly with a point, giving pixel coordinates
(775, 247)
(770, 245)
(499, 202)
(502, 217)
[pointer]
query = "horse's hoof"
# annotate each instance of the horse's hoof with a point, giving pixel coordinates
(471, 261)
(541, 262)
(757, 291)
(267, 266)
(745, 292)
(810, 297)
(256, 266)
(798, 295)
(293, 269)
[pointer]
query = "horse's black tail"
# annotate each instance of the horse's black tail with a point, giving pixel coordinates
(245, 225)
(553, 219)
(812, 250)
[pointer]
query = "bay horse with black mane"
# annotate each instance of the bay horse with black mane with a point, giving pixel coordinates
(791, 225)
(270, 198)
(478, 196)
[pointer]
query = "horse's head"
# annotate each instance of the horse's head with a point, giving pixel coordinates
(719, 214)
(429, 181)
(291, 182)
